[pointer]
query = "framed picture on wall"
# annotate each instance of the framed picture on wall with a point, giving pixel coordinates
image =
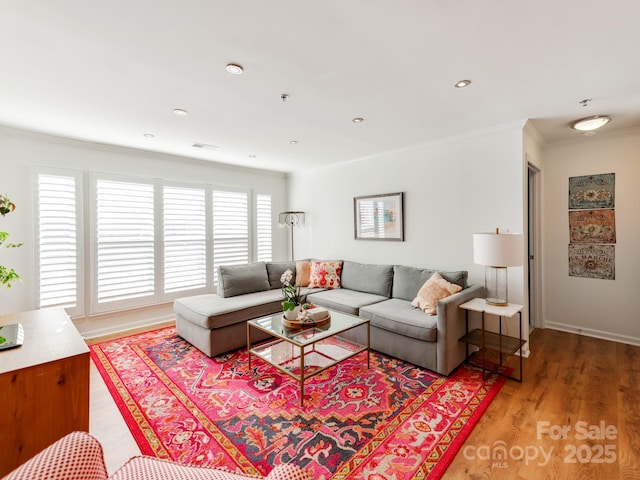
(379, 217)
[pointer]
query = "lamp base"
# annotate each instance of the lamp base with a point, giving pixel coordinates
(495, 285)
(496, 301)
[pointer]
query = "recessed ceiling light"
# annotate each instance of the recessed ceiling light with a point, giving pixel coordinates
(293, 142)
(462, 83)
(149, 135)
(180, 111)
(234, 69)
(358, 120)
(591, 123)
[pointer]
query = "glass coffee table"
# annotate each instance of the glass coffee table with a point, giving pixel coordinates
(304, 352)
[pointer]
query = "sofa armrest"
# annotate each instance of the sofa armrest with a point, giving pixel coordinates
(451, 326)
(76, 456)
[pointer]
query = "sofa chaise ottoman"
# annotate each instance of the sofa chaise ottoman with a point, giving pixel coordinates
(216, 324)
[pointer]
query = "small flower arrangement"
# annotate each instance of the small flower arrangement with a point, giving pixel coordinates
(291, 292)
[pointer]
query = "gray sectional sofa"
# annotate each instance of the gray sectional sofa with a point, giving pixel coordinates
(215, 324)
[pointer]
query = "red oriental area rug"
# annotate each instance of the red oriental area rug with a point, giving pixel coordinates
(392, 420)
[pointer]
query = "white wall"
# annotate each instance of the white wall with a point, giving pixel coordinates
(20, 151)
(602, 308)
(452, 189)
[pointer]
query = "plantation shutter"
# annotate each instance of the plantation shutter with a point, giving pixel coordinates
(125, 240)
(230, 229)
(263, 228)
(185, 239)
(58, 242)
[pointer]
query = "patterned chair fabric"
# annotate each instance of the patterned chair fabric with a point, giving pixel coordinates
(79, 456)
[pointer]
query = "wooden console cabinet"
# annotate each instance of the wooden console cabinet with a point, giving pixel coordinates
(44, 385)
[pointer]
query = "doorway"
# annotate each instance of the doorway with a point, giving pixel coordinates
(534, 247)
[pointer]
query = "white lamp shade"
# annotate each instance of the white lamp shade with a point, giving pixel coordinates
(292, 219)
(498, 249)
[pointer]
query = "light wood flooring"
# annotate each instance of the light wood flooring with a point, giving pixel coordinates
(586, 386)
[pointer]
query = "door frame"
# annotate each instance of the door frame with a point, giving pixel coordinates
(534, 246)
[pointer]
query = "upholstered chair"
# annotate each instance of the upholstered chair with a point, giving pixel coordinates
(79, 456)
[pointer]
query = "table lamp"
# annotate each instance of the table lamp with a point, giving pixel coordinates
(497, 251)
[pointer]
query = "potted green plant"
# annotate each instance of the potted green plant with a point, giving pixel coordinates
(7, 275)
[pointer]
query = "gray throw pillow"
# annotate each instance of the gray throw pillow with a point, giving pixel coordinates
(367, 278)
(240, 279)
(275, 271)
(408, 280)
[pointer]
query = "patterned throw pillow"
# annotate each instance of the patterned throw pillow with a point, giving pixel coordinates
(325, 274)
(434, 289)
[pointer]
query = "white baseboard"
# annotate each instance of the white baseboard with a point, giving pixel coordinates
(589, 332)
(123, 322)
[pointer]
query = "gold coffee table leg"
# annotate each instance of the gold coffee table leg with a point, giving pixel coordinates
(301, 376)
(249, 346)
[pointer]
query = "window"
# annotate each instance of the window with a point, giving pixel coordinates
(185, 239)
(148, 240)
(230, 229)
(58, 239)
(263, 228)
(125, 240)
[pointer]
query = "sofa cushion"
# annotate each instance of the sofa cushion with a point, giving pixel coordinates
(236, 280)
(408, 280)
(458, 277)
(399, 316)
(343, 300)
(434, 290)
(376, 279)
(275, 271)
(213, 311)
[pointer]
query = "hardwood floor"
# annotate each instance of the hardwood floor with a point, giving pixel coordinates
(586, 386)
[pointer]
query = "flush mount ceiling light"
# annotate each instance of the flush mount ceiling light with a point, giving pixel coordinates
(358, 120)
(462, 83)
(181, 112)
(591, 123)
(234, 69)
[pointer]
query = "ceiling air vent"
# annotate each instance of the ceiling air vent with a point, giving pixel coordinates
(204, 145)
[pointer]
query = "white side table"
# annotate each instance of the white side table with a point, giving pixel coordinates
(486, 340)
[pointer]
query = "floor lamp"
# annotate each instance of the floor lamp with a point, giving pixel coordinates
(497, 251)
(291, 219)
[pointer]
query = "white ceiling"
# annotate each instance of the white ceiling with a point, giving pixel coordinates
(111, 71)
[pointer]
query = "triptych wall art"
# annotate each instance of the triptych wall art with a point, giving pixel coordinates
(592, 226)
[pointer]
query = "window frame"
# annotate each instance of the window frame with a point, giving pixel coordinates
(86, 203)
(95, 306)
(78, 177)
(170, 296)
